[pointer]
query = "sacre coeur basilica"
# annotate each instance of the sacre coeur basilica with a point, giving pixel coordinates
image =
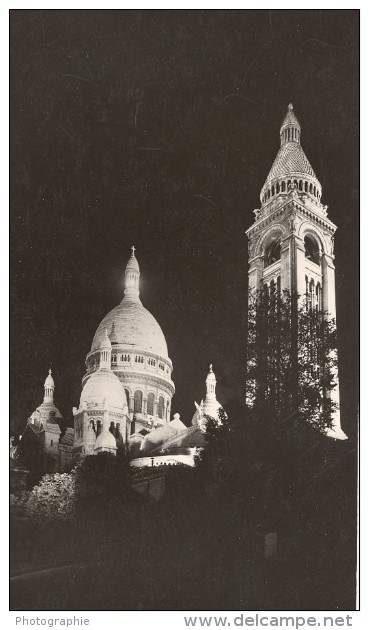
(127, 389)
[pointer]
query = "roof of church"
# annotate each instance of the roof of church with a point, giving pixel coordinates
(290, 160)
(68, 437)
(134, 327)
(51, 409)
(190, 438)
(51, 428)
(156, 438)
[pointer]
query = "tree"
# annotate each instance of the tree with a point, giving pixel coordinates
(103, 487)
(291, 359)
(53, 499)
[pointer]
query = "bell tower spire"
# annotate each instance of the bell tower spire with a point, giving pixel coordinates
(132, 277)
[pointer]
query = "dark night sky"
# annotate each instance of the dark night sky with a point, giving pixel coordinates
(158, 128)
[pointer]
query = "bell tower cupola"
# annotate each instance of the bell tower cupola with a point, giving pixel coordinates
(290, 129)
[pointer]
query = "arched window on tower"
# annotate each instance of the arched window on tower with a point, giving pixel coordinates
(272, 253)
(161, 407)
(150, 403)
(312, 250)
(138, 401)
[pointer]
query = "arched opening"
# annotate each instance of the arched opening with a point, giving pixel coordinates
(150, 403)
(300, 184)
(161, 407)
(318, 297)
(278, 285)
(311, 188)
(98, 428)
(272, 191)
(283, 186)
(272, 252)
(312, 250)
(306, 187)
(137, 401)
(128, 395)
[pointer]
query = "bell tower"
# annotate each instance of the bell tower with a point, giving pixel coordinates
(290, 243)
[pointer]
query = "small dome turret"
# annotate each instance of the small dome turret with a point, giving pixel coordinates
(47, 412)
(210, 406)
(104, 385)
(105, 442)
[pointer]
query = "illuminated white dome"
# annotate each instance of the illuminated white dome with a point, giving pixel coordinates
(104, 385)
(106, 442)
(134, 328)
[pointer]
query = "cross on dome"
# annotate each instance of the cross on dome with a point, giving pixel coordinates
(133, 250)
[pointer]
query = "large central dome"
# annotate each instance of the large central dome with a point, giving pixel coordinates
(138, 355)
(134, 327)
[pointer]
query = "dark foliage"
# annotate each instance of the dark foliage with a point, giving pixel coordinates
(201, 546)
(291, 358)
